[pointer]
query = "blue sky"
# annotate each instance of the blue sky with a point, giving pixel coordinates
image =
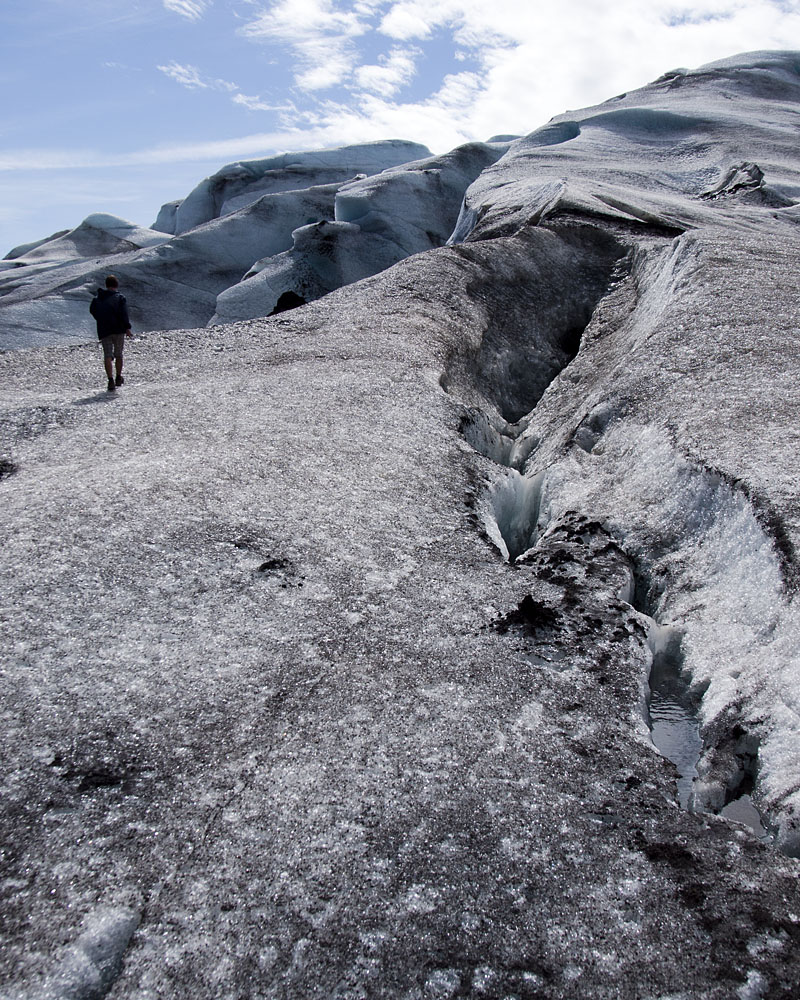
(118, 107)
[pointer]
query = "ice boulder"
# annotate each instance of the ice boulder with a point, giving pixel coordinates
(167, 217)
(222, 250)
(416, 205)
(324, 257)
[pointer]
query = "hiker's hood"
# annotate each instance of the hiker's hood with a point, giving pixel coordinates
(104, 293)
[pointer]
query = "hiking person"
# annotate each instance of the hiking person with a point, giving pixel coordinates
(113, 325)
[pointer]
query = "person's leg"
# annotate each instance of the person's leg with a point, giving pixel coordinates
(107, 344)
(119, 345)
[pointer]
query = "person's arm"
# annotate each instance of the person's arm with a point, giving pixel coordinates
(125, 321)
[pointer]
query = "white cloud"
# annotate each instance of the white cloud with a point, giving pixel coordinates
(256, 104)
(404, 23)
(390, 74)
(320, 35)
(186, 76)
(533, 60)
(528, 63)
(189, 77)
(441, 121)
(191, 9)
(326, 66)
(538, 59)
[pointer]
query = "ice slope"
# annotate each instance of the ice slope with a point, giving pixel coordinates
(329, 635)
(45, 287)
(170, 282)
(98, 235)
(24, 248)
(688, 461)
(695, 148)
(272, 694)
(707, 428)
(323, 257)
(415, 204)
(237, 225)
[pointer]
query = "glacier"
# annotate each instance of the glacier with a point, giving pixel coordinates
(330, 637)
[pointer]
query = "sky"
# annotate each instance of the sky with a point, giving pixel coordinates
(118, 107)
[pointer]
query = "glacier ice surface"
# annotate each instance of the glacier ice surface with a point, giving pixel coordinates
(271, 680)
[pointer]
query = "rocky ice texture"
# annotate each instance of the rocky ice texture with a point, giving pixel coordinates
(351, 698)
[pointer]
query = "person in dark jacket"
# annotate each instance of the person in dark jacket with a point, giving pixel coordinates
(110, 311)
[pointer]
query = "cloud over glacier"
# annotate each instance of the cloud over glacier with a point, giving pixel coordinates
(201, 82)
(191, 9)
(352, 95)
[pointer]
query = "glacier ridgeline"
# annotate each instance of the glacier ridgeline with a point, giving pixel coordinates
(335, 639)
(295, 226)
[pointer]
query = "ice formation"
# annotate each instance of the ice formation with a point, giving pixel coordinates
(378, 221)
(335, 639)
(226, 226)
(239, 184)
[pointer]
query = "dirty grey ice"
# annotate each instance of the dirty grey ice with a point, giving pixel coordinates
(440, 637)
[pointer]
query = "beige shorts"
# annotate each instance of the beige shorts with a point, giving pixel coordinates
(113, 345)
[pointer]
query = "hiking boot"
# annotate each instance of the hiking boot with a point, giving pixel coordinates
(111, 387)
(120, 380)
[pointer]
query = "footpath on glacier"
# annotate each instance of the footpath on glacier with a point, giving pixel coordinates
(329, 637)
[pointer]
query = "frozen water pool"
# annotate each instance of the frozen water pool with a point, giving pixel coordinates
(674, 727)
(676, 734)
(742, 810)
